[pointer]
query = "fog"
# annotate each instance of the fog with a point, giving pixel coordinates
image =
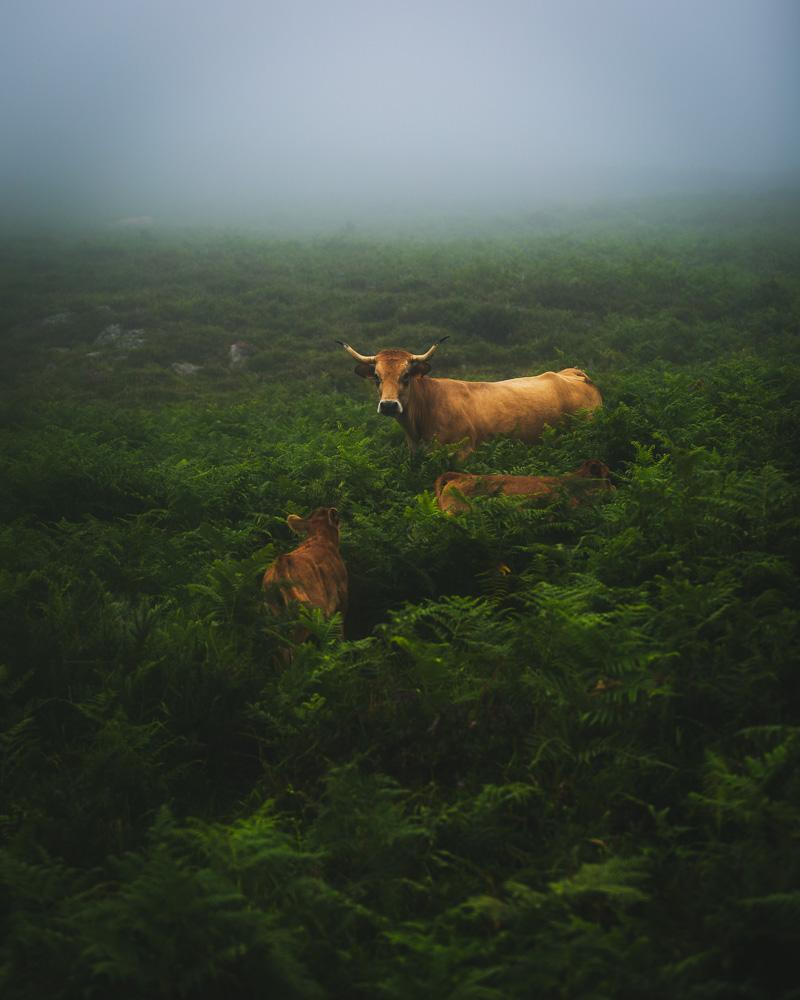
(243, 111)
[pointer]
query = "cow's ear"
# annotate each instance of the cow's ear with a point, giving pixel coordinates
(419, 368)
(365, 371)
(297, 524)
(333, 516)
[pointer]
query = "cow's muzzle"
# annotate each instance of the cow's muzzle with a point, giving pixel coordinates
(390, 407)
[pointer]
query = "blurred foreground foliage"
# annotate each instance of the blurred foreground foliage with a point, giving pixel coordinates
(556, 751)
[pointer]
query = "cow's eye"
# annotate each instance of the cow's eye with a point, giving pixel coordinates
(404, 379)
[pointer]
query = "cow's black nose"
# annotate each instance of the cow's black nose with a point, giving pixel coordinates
(389, 407)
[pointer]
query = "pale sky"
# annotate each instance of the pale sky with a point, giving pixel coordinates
(170, 106)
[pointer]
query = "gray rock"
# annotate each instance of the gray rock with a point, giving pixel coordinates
(185, 368)
(239, 352)
(57, 319)
(114, 336)
(110, 335)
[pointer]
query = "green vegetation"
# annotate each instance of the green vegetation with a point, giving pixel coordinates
(556, 752)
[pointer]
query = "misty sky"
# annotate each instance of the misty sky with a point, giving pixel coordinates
(168, 106)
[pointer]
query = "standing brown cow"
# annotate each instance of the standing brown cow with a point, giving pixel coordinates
(454, 490)
(450, 410)
(314, 573)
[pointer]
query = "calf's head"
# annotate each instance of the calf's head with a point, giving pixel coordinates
(394, 373)
(593, 469)
(323, 523)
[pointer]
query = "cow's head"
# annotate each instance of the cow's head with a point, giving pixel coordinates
(321, 523)
(593, 469)
(394, 372)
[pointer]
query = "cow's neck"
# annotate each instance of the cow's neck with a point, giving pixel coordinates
(320, 539)
(415, 417)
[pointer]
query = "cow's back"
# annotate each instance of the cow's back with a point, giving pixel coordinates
(560, 392)
(313, 574)
(454, 490)
(518, 407)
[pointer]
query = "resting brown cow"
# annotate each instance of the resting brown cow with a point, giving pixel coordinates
(449, 410)
(454, 490)
(314, 573)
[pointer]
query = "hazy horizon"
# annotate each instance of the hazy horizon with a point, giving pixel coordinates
(238, 112)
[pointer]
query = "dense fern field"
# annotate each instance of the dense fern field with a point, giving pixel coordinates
(551, 752)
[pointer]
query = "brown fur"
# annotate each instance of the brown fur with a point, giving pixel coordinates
(455, 489)
(450, 410)
(314, 573)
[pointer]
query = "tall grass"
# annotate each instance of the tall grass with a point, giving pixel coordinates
(549, 752)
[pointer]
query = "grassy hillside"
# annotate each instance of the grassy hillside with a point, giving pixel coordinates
(551, 752)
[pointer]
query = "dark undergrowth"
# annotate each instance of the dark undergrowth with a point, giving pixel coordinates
(551, 751)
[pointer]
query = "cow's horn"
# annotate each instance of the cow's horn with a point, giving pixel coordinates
(363, 358)
(427, 354)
